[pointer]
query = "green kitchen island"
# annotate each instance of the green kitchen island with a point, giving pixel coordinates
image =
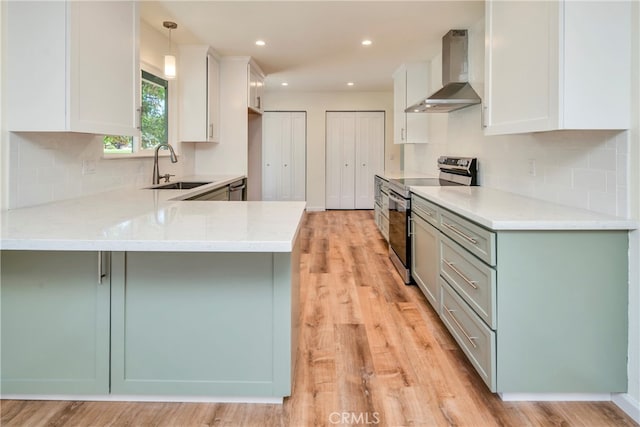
(135, 296)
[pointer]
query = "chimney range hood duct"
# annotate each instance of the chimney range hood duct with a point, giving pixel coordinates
(457, 93)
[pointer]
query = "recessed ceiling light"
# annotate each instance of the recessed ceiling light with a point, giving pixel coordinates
(366, 42)
(260, 43)
(284, 84)
(350, 84)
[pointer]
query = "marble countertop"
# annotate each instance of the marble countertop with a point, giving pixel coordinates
(154, 220)
(501, 210)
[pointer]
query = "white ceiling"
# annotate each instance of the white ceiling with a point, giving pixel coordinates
(316, 45)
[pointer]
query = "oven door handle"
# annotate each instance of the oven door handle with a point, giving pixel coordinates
(398, 200)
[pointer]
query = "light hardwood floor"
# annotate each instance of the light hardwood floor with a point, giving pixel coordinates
(371, 352)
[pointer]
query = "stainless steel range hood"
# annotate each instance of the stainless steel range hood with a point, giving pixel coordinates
(457, 93)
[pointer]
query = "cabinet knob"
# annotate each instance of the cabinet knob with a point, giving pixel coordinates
(268, 164)
(285, 165)
(346, 165)
(364, 164)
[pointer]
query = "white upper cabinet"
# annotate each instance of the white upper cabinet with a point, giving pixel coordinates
(553, 65)
(410, 85)
(73, 66)
(199, 83)
(255, 81)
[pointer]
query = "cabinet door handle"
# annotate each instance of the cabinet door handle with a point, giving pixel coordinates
(460, 233)
(259, 102)
(210, 130)
(470, 282)
(139, 125)
(484, 110)
(402, 131)
(466, 335)
(101, 273)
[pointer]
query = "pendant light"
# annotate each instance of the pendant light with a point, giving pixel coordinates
(169, 59)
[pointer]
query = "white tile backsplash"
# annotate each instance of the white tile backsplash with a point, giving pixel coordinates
(586, 169)
(45, 167)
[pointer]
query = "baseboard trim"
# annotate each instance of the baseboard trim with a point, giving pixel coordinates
(555, 397)
(628, 405)
(621, 400)
(138, 398)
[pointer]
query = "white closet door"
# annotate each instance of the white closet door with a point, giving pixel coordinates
(369, 151)
(271, 137)
(284, 156)
(355, 152)
(340, 155)
(299, 155)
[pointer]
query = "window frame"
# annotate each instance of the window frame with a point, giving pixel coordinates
(172, 139)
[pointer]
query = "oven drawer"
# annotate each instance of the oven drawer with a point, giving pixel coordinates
(474, 281)
(427, 210)
(477, 341)
(479, 241)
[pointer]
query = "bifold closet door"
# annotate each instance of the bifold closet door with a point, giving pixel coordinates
(341, 140)
(354, 153)
(369, 155)
(284, 155)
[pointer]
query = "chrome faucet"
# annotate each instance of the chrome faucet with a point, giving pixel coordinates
(156, 171)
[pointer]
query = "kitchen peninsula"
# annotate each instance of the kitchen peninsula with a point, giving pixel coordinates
(140, 294)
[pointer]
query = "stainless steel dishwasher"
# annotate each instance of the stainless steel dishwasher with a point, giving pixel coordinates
(238, 190)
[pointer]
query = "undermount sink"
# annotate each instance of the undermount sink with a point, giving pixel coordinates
(179, 185)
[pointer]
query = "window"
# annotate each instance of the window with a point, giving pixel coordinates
(154, 119)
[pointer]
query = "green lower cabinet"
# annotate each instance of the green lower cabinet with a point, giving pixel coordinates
(202, 324)
(55, 323)
(170, 324)
(562, 308)
(551, 317)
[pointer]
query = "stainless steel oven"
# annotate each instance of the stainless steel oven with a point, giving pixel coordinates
(399, 244)
(453, 171)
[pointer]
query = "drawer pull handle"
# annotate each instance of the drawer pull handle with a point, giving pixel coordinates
(466, 335)
(471, 283)
(423, 211)
(460, 233)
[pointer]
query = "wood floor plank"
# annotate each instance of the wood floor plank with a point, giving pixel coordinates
(371, 349)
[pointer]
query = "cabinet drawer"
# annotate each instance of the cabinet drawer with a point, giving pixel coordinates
(477, 341)
(479, 241)
(385, 204)
(384, 227)
(427, 210)
(471, 278)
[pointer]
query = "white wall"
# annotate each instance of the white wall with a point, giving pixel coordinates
(584, 169)
(4, 136)
(45, 167)
(316, 104)
(631, 399)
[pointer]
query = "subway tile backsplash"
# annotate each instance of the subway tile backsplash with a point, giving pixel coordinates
(586, 169)
(46, 167)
